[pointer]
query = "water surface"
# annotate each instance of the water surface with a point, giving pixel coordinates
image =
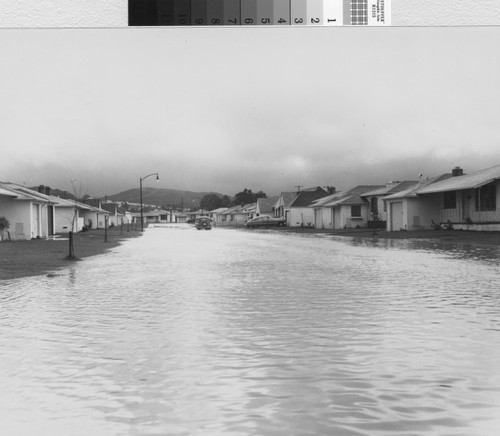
(236, 332)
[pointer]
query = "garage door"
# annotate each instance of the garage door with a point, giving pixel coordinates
(397, 216)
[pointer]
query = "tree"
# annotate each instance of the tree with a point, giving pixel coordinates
(210, 202)
(4, 225)
(247, 196)
(225, 201)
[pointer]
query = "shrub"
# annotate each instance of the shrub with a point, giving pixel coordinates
(4, 225)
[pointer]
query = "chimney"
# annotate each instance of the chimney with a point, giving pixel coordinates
(47, 190)
(331, 189)
(457, 171)
(41, 189)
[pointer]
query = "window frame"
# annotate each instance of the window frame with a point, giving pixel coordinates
(355, 207)
(450, 200)
(485, 197)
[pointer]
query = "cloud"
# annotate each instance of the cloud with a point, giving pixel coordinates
(267, 110)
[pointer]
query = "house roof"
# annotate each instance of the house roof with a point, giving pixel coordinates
(155, 212)
(77, 204)
(391, 188)
(266, 205)
(246, 208)
(23, 193)
(306, 198)
(414, 190)
(351, 196)
(111, 208)
(288, 198)
(332, 197)
(351, 200)
(62, 202)
(8, 193)
(219, 210)
(466, 181)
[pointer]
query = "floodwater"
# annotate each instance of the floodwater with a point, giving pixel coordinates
(239, 332)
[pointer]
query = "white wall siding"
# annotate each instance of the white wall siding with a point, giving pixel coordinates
(301, 216)
(63, 218)
(18, 213)
(349, 221)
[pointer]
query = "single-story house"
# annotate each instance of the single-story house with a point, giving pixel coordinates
(265, 206)
(152, 216)
(127, 216)
(237, 215)
(181, 217)
(407, 210)
(69, 215)
(467, 201)
(282, 205)
(300, 214)
(218, 216)
(343, 209)
(378, 210)
(30, 213)
(115, 217)
(95, 217)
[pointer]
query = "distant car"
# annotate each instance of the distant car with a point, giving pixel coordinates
(203, 223)
(264, 221)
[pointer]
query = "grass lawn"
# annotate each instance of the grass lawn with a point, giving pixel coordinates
(40, 256)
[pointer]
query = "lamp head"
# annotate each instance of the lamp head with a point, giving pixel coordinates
(157, 177)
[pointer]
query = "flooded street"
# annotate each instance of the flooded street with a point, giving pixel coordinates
(237, 332)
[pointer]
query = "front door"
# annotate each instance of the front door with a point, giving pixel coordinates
(50, 219)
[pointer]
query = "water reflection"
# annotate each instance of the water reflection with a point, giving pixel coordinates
(239, 332)
(458, 250)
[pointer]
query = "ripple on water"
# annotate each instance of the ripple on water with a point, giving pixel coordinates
(236, 332)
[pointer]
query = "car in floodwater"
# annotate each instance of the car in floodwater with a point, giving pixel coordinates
(264, 221)
(203, 223)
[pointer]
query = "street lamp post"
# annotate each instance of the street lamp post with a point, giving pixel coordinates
(140, 184)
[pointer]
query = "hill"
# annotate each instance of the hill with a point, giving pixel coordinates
(162, 197)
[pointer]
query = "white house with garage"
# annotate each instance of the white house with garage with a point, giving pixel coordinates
(467, 201)
(30, 213)
(407, 210)
(343, 209)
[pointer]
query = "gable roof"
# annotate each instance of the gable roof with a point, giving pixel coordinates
(414, 190)
(466, 181)
(351, 200)
(23, 193)
(266, 205)
(8, 193)
(219, 210)
(288, 198)
(391, 188)
(306, 198)
(351, 196)
(246, 208)
(111, 208)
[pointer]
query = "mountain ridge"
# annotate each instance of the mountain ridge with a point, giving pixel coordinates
(162, 197)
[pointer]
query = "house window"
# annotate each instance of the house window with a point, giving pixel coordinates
(450, 200)
(356, 211)
(486, 197)
(374, 206)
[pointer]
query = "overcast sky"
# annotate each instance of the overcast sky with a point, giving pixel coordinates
(221, 109)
